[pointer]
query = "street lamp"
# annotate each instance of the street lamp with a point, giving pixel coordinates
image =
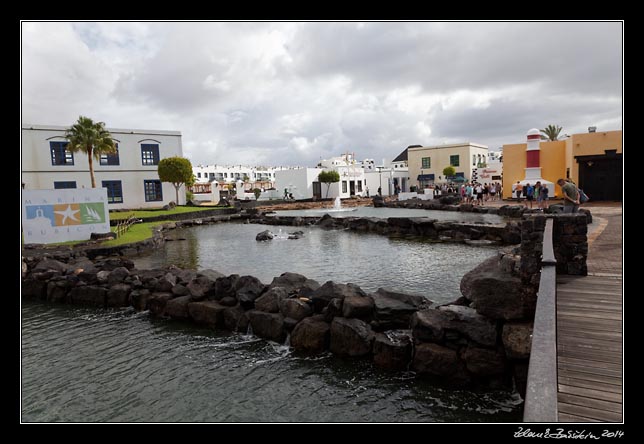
(380, 168)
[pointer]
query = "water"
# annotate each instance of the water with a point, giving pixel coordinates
(369, 260)
(92, 365)
(384, 213)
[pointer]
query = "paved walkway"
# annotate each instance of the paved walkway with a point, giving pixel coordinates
(589, 327)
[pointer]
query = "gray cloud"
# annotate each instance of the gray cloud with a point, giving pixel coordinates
(292, 93)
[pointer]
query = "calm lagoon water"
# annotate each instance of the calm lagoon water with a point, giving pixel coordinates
(371, 261)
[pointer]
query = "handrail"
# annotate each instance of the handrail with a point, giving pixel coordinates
(541, 390)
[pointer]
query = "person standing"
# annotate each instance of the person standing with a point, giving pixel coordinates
(367, 191)
(529, 195)
(379, 191)
(519, 191)
(570, 196)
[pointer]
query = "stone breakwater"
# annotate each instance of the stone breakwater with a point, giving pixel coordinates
(452, 203)
(454, 343)
(508, 234)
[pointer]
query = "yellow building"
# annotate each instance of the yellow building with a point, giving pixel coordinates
(592, 160)
(426, 163)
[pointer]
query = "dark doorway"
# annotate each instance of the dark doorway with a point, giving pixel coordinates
(352, 188)
(317, 190)
(601, 177)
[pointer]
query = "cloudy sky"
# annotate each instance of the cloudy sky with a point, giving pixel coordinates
(293, 93)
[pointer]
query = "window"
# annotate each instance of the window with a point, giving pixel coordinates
(64, 185)
(344, 186)
(359, 186)
(59, 154)
(454, 160)
(198, 175)
(114, 191)
(427, 162)
(211, 175)
(111, 159)
(473, 159)
(152, 189)
(149, 154)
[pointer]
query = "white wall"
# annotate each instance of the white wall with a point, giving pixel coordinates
(373, 181)
(39, 173)
(299, 182)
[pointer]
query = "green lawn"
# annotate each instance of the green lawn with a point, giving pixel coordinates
(137, 232)
(118, 215)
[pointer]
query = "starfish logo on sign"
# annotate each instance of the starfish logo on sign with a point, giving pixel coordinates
(66, 214)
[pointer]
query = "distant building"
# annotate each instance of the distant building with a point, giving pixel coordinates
(592, 160)
(389, 175)
(303, 182)
(426, 163)
(130, 175)
(222, 175)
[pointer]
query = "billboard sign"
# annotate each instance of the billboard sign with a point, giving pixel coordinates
(50, 216)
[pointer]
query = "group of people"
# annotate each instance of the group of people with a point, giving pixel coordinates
(477, 193)
(538, 193)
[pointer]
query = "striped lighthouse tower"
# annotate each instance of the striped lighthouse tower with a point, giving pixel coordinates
(532, 152)
(533, 162)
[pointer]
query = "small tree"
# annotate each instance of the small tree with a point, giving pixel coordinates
(257, 192)
(449, 171)
(177, 171)
(551, 133)
(328, 177)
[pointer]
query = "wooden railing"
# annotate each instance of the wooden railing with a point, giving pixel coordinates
(124, 225)
(541, 391)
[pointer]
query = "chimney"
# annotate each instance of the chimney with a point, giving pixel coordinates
(592, 129)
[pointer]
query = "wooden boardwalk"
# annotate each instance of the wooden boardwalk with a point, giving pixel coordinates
(589, 348)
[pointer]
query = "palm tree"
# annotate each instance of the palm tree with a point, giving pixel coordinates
(551, 133)
(92, 139)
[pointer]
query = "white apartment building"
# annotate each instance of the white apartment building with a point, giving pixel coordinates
(130, 175)
(257, 176)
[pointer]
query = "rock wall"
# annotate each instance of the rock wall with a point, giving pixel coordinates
(451, 343)
(507, 234)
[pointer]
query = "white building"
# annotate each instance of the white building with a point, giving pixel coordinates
(388, 176)
(257, 176)
(303, 182)
(130, 176)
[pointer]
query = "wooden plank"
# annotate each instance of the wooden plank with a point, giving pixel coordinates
(590, 344)
(613, 388)
(595, 338)
(597, 283)
(566, 417)
(595, 325)
(591, 377)
(599, 404)
(594, 356)
(590, 365)
(612, 292)
(590, 393)
(587, 412)
(586, 372)
(587, 303)
(603, 316)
